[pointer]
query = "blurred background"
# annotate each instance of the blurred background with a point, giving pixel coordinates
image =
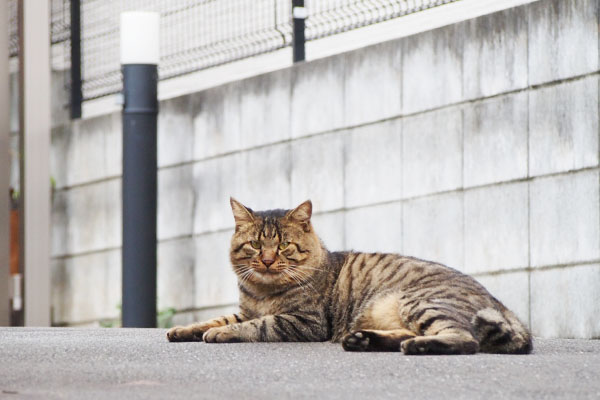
(464, 132)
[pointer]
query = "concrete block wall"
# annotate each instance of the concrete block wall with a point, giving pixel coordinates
(475, 145)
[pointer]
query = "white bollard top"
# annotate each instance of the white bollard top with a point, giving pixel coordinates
(139, 37)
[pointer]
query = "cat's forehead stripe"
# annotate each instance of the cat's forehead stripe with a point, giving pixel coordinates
(270, 228)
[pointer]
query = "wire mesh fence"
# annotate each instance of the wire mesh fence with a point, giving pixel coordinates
(195, 35)
(60, 33)
(13, 29)
(199, 34)
(329, 17)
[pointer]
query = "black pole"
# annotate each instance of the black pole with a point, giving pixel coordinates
(299, 15)
(76, 94)
(140, 112)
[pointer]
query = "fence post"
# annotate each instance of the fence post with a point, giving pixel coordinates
(4, 169)
(34, 124)
(139, 57)
(76, 94)
(298, 15)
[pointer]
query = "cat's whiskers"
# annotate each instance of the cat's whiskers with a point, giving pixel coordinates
(300, 285)
(245, 276)
(307, 283)
(243, 269)
(303, 274)
(307, 267)
(294, 279)
(307, 279)
(303, 280)
(296, 270)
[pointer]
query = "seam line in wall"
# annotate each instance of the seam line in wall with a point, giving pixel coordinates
(598, 95)
(460, 190)
(88, 183)
(205, 308)
(535, 269)
(159, 241)
(84, 253)
(463, 197)
(463, 26)
(528, 13)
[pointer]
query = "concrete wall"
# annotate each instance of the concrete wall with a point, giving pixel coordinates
(475, 145)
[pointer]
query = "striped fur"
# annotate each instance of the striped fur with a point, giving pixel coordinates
(293, 289)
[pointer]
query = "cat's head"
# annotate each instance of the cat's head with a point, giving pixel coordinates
(276, 247)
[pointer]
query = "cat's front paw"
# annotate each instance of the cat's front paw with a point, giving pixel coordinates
(223, 334)
(184, 334)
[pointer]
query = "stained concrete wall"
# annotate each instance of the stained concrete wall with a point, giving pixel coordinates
(475, 145)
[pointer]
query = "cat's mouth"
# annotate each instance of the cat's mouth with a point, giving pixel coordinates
(269, 271)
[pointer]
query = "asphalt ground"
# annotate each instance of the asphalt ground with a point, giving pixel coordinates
(67, 363)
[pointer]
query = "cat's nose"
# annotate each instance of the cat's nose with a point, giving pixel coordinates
(268, 261)
(268, 258)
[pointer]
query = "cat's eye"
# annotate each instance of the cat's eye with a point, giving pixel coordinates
(283, 245)
(255, 244)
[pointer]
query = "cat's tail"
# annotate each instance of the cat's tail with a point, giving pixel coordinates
(501, 332)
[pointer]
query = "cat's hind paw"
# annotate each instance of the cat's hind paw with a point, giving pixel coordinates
(376, 340)
(438, 345)
(356, 341)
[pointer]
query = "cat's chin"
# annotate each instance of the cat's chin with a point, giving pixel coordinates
(270, 278)
(268, 274)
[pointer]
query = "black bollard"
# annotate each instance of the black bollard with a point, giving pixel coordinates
(298, 19)
(140, 111)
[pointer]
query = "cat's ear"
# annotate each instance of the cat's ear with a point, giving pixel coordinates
(241, 214)
(301, 214)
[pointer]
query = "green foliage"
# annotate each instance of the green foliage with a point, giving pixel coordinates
(113, 323)
(110, 323)
(16, 193)
(164, 318)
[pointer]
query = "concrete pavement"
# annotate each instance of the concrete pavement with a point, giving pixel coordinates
(57, 363)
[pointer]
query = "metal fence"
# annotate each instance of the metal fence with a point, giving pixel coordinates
(199, 34)
(59, 31)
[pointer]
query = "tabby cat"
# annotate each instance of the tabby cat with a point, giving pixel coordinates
(293, 289)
